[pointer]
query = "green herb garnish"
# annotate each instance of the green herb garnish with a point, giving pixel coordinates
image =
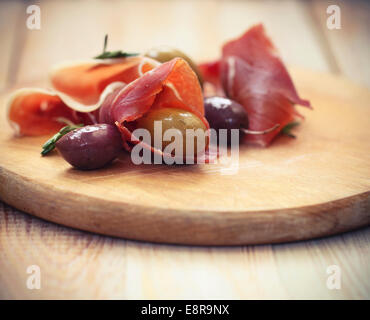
(288, 128)
(113, 54)
(50, 144)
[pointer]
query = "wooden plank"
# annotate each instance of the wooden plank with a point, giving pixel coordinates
(69, 30)
(66, 258)
(75, 30)
(288, 23)
(350, 45)
(303, 266)
(12, 30)
(79, 265)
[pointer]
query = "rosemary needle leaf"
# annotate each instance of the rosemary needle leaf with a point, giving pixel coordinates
(288, 128)
(50, 144)
(113, 54)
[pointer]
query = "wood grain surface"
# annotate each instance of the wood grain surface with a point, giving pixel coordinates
(81, 265)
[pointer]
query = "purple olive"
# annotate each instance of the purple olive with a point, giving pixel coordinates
(90, 147)
(223, 113)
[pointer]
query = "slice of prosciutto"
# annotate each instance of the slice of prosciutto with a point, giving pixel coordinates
(251, 73)
(78, 90)
(170, 85)
(211, 73)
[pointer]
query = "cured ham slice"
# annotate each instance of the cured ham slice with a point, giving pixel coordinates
(85, 81)
(171, 85)
(252, 73)
(78, 90)
(35, 112)
(211, 76)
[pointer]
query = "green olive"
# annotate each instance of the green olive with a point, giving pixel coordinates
(166, 53)
(172, 118)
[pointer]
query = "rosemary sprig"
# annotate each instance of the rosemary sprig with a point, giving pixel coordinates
(50, 144)
(288, 128)
(113, 54)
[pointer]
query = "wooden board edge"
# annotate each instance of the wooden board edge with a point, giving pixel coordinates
(165, 225)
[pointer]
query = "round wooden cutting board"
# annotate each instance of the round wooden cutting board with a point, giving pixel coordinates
(315, 185)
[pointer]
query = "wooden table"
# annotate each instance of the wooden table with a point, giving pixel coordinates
(79, 265)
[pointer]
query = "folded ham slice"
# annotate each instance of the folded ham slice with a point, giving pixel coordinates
(251, 73)
(78, 90)
(171, 85)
